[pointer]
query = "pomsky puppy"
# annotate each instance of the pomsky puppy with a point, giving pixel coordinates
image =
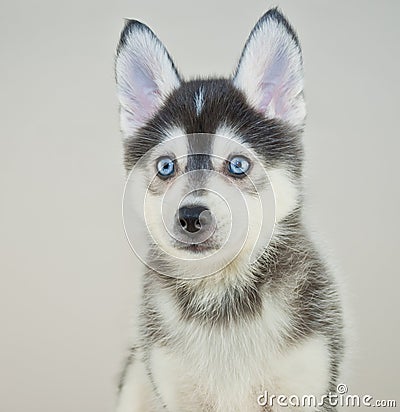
(235, 298)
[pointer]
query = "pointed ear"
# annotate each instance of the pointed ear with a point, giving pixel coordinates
(145, 75)
(270, 70)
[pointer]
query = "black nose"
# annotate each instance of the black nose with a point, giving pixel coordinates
(189, 218)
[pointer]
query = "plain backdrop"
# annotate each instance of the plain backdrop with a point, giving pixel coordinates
(67, 272)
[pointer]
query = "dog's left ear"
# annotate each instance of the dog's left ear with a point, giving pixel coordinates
(270, 70)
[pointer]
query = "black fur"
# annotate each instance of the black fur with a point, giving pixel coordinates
(314, 305)
(272, 139)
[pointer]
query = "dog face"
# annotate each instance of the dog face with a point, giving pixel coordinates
(214, 165)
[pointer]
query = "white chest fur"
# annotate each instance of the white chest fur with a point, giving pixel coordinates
(226, 368)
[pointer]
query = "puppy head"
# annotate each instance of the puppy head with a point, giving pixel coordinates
(213, 164)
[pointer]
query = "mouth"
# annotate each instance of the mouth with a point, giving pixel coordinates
(196, 247)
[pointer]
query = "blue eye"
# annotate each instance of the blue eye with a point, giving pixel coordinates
(238, 165)
(165, 167)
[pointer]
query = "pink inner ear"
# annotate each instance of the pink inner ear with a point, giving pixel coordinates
(267, 95)
(275, 86)
(274, 90)
(145, 93)
(270, 72)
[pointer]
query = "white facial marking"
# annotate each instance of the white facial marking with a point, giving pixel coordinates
(285, 190)
(245, 210)
(199, 100)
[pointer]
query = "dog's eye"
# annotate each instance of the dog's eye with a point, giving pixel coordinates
(238, 165)
(165, 167)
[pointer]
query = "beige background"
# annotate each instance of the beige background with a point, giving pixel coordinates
(66, 269)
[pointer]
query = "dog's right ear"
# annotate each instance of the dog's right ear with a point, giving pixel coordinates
(145, 75)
